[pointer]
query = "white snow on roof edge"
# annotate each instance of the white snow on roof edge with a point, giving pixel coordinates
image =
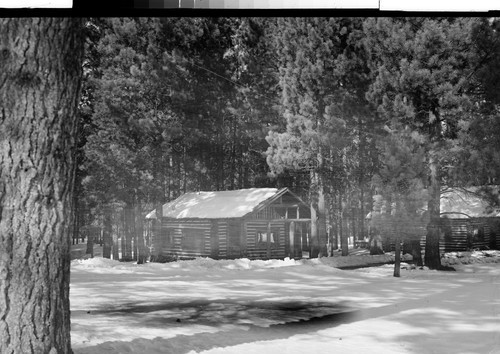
(216, 204)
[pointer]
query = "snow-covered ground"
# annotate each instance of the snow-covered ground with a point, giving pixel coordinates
(308, 306)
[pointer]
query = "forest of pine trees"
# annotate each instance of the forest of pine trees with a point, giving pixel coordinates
(339, 110)
(104, 119)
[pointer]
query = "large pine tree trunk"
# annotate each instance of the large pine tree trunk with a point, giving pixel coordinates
(412, 246)
(40, 77)
(396, 229)
(432, 256)
(397, 254)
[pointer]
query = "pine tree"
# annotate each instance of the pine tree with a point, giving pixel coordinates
(323, 79)
(421, 68)
(120, 150)
(474, 156)
(40, 77)
(400, 200)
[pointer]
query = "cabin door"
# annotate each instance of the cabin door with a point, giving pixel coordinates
(233, 239)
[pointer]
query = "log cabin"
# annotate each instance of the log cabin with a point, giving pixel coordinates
(468, 222)
(256, 223)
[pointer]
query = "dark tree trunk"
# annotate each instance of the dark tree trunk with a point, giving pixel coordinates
(240, 166)
(139, 229)
(116, 246)
(128, 233)
(90, 242)
(177, 178)
(432, 256)
(354, 221)
(344, 242)
(40, 77)
(362, 227)
(107, 232)
(375, 244)
(184, 171)
(322, 232)
(412, 246)
(361, 176)
(397, 257)
(122, 236)
(233, 155)
(335, 230)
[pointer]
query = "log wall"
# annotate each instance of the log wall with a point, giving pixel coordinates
(222, 236)
(172, 244)
(214, 234)
(457, 235)
(266, 214)
(253, 250)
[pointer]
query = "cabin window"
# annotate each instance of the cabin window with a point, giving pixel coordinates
(169, 237)
(193, 239)
(478, 233)
(262, 238)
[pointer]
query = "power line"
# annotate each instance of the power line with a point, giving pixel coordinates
(224, 78)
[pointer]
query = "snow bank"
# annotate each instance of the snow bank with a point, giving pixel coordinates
(457, 258)
(201, 263)
(362, 260)
(241, 263)
(207, 264)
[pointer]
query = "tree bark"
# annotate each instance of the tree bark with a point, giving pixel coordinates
(412, 246)
(128, 233)
(315, 216)
(141, 247)
(115, 250)
(432, 256)
(40, 79)
(90, 241)
(396, 229)
(322, 232)
(397, 254)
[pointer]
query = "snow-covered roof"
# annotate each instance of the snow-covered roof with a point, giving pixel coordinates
(216, 205)
(463, 203)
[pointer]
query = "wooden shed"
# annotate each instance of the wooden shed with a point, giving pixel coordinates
(256, 223)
